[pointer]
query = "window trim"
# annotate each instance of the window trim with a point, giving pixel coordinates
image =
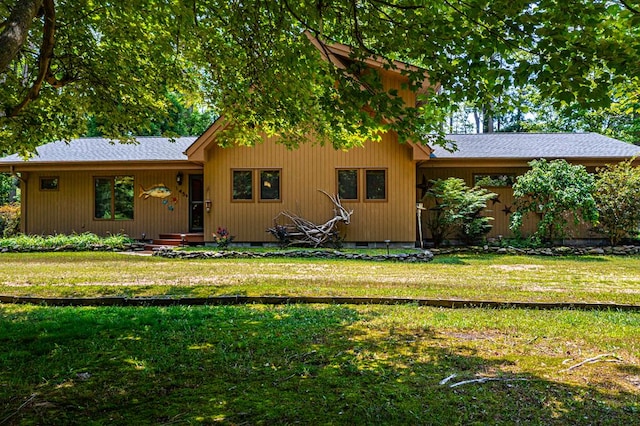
(386, 184)
(259, 183)
(358, 192)
(43, 178)
(253, 195)
(256, 182)
(112, 178)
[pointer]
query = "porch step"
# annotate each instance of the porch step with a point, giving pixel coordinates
(190, 237)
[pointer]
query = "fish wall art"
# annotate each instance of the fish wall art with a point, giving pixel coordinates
(158, 190)
(161, 191)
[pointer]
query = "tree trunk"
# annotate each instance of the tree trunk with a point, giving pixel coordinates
(16, 30)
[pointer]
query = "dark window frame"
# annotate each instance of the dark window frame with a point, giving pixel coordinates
(357, 184)
(260, 182)
(251, 186)
(366, 185)
(55, 187)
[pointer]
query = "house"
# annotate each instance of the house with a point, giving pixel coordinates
(192, 186)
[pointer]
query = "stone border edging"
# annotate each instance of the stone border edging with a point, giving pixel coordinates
(413, 257)
(626, 250)
(327, 300)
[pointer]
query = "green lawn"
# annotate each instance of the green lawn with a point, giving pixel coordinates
(316, 364)
(505, 278)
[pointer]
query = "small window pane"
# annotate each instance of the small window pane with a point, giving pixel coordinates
(348, 184)
(123, 197)
(102, 198)
(376, 188)
(49, 183)
(270, 184)
(242, 185)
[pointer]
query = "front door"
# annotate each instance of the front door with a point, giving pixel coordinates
(196, 203)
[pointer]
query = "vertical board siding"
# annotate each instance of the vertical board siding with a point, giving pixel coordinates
(70, 208)
(304, 171)
(500, 224)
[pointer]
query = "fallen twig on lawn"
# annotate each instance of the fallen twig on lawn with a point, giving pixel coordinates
(24, 404)
(487, 379)
(599, 358)
(446, 379)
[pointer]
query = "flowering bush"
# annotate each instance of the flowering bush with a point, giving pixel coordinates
(222, 237)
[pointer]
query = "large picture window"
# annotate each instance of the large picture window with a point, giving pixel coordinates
(113, 197)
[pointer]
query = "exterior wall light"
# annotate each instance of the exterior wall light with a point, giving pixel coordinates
(207, 205)
(179, 177)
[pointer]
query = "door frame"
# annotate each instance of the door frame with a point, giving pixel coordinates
(196, 202)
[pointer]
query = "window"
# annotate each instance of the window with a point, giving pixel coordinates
(499, 181)
(49, 183)
(376, 184)
(242, 185)
(348, 184)
(113, 198)
(270, 185)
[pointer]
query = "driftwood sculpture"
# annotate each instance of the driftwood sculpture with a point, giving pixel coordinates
(300, 231)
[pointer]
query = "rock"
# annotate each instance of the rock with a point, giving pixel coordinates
(595, 250)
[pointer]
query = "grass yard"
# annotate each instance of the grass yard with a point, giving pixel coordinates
(505, 278)
(314, 364)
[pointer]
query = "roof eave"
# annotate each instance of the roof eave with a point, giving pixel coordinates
(26, 166)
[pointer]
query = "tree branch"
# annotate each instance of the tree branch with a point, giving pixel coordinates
(629, 8)
(16, 30)
(44, 59)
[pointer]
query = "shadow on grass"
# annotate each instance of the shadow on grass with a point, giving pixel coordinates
(448, 260)
(271, 365)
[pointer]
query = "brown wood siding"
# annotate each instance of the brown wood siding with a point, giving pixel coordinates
(71, 208)
(392, 80)
(304, 171)
(496, 210)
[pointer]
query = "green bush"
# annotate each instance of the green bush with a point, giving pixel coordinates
(556, 190)
(616, 194)
(9, 220)
(456, 208)
(74, 242)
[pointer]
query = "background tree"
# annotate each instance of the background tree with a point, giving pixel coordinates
(62, 61)
(8, 189)
(616, 197)
(555, 190)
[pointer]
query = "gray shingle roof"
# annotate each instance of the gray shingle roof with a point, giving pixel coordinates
(103, 150)
(536, 145)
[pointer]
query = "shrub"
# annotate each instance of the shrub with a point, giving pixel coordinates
(555, 190)
(77, 242)
(9, 220)
(616, 197)
(455, 207)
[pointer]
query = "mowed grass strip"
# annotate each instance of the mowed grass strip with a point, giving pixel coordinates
(313, 364)
(602, 279)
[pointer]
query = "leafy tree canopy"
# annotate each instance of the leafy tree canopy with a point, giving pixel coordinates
(62, 61)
